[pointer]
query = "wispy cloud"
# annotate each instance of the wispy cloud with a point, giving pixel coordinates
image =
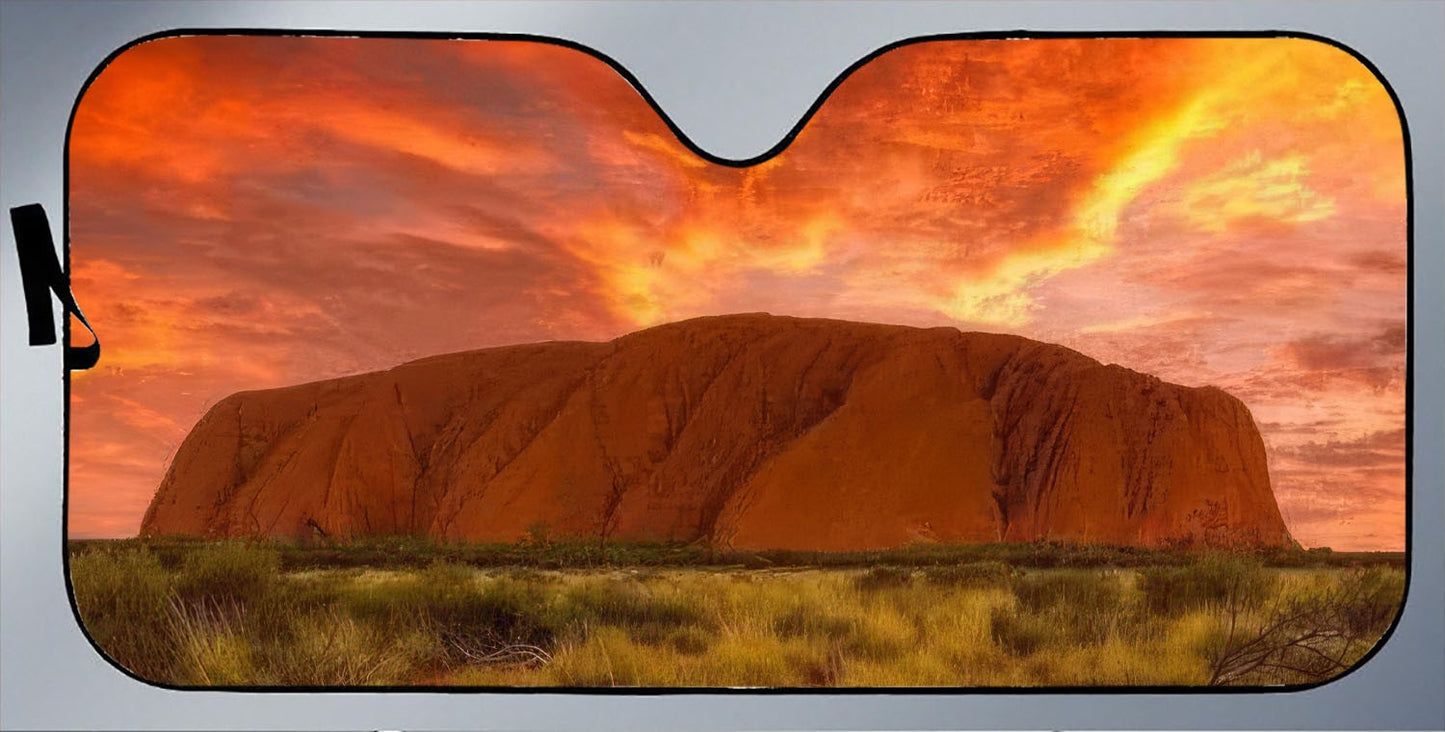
(253, 212)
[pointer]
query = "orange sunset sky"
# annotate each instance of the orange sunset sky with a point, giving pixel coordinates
(255, 212)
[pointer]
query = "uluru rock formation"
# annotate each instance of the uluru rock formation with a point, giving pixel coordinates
(746, 431)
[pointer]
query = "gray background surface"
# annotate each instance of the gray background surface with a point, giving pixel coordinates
(735, 78)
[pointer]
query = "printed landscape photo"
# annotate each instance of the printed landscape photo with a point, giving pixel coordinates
(1027, 363)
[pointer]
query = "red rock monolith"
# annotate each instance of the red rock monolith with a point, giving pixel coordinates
(744, 431)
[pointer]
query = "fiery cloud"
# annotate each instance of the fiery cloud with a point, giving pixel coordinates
(254, 212)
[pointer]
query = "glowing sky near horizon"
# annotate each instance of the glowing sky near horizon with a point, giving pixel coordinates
(255, 212)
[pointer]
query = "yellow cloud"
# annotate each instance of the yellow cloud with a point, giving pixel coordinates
(809, 251)
(1349, 95)
(1000, 295)
(652, 276)
(669, 148)
(1253, 187)
(459, 149)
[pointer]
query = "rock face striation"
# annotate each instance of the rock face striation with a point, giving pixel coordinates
(745, 431)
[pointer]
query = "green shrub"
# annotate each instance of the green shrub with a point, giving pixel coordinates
(327, 648)
(1081, 607)
(690, 641)
(1313, 633)
(123, 599)
(126, 585)
(1074, 589)
(531, 576)
(879, 578)
(398, 601)
(757, 561)
(812, 622)
(1211, 581)
(1375, 596)
(210, 644)
(227, 572)
(1043, 554)
(1020, 633)
(452, 617)
(877, 641)
(475, 620)
(630, 605)
(974, 575)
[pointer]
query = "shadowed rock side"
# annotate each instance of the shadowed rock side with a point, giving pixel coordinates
(748, 431)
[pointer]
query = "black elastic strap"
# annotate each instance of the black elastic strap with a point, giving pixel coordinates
(41, 275)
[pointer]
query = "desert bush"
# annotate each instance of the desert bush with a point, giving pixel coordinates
(227, 572)
(1020, 633)
(757, 561)
(1306, 635)
(810, 621)
(210, 647)
(647, 615)
(1083, 606)
(488, 623)
(973, 575)
(122, 598)
(825, 668)
(884, 637)
(468, 619)
(880, 578)
(1211, 581)
(748, 661)
(328, 648)
(1064, 628)
(399, 601)
(608, 657)
(129, 585)
(1043, 555)
(530, 576)
(1075, 589)
(1378, 596)
(1059, 555)
(690, 641)
(417, 552)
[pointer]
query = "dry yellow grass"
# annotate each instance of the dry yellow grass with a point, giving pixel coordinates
(972, 626)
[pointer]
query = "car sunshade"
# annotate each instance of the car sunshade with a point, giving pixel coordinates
(1065, 362)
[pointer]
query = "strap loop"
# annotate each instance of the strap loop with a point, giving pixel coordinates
(41, 275)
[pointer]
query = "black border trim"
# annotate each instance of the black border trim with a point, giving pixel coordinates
(776, 149)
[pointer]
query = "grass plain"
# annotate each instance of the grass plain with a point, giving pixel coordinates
(408, 612)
